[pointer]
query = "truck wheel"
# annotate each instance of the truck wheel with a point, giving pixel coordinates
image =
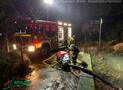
(45, 50)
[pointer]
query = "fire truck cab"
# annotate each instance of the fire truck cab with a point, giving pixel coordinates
(40, 36)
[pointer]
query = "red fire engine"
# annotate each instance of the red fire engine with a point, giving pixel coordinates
(40, 36)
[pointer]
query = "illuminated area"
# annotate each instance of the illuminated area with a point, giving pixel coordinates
(61, 44)
(48, 2)
(69, 32)
(69, 25)
(31, 48)
(38, 45)
(14, 46)
(60, 23)
(65, 24)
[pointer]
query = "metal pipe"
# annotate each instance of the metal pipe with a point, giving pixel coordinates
(100, 32)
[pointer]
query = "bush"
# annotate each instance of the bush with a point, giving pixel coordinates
(10, 65)
(6, 64)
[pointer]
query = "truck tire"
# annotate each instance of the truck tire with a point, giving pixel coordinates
(45, 50)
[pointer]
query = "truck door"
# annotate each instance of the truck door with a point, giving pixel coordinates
(64, 33)
(60, 35)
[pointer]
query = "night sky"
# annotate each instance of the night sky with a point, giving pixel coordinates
(70, 11)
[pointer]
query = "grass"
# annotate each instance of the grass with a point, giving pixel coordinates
(104, 70)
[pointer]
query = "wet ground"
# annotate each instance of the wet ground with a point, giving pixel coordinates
(52, 79)
(47, 76)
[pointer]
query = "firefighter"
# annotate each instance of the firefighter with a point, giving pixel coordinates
(72, 40)
(75, 52)
(69, 41)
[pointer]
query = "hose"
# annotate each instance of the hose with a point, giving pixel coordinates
(91, 73)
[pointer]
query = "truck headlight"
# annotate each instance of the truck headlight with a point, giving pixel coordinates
(31, 48)
(14, 46)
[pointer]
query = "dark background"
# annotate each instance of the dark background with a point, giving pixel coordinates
(77, 13)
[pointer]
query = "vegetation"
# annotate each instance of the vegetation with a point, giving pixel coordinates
(116, 33)
(11, 66)
(104, 70)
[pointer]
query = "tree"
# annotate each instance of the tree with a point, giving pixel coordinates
(115, 33)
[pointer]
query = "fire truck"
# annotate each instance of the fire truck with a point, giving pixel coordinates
(40, 36)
